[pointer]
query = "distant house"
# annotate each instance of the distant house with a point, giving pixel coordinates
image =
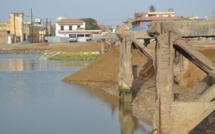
(74, 29)
(12, 30)
(17, 30)
(113, 29)
(141, 19)
(45, 28)
(16, 26)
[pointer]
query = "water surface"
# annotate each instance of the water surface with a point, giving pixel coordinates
(33, 100)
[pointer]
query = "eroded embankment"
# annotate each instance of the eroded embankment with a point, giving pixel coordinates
(24, 48)
(103, 73)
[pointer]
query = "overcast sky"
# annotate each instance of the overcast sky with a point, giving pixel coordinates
(108, 12)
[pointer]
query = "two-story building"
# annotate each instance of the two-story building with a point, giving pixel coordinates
(74, 29)
(12, 30)
(16, 26)
(16, 30)
(141, 19)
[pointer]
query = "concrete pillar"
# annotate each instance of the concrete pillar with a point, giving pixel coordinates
(102, 46)
(164, 84)
(125, 78)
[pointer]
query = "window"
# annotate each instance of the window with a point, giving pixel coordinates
(80, 35)
(79, 26)
(24, 37)
(62, 28)
(87, 35)
(72, 35)
(70, 27)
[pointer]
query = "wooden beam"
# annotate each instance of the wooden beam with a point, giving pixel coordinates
(195, 56)
(143, 49)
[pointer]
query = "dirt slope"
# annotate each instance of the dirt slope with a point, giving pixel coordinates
(106, 69)
(75, 47)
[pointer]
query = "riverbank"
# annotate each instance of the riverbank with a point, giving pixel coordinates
(23, 48)
(40, 48)
(103, 74)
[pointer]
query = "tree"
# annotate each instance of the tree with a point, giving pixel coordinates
(152, 8)
(91, 24)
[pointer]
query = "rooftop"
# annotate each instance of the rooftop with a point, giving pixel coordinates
(66, 21)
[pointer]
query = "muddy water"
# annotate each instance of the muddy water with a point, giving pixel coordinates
(33, 100)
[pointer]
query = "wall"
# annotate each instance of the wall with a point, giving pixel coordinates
(28, 34)
(141, 26)
(16, 26)
(4, 28)
(3, 37)
(56, 39)
(35, 35)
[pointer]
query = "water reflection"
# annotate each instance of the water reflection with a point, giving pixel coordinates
(32, 96)
(129, 123)
(22, 63)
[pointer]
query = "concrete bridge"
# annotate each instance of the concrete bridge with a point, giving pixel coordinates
(171, 117)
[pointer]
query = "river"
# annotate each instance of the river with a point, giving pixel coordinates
(33, 100)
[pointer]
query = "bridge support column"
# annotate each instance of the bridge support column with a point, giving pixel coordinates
(173, 117)
(164, 84)
(125, 77)
(102, 46)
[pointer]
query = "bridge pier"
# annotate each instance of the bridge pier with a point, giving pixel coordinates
(164, 83)
(125, 77)
(173, 117)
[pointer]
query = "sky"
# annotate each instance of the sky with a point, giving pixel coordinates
(107, 12)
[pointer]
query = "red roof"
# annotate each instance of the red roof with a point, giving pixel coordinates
(70, 21)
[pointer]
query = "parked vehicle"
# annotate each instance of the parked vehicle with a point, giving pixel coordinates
(73, 38)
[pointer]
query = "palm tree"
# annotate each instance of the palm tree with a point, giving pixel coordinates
(152, 8)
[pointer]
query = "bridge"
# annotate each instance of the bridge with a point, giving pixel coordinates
(170, 116)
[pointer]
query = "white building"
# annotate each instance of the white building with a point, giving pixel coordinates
(74, 29)
(113, 29)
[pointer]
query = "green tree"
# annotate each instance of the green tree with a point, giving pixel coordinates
(91, 24)
(152, 8)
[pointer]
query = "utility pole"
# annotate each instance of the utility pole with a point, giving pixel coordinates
(52, 29)
(32, 25)
(46, 26)
(14, 27)
(50, 26)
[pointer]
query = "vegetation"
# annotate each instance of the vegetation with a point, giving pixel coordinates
(71, 55)
(91, 24)
(152, 8)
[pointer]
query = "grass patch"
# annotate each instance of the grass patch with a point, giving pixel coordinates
(71, 55)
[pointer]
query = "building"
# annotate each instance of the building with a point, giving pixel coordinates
(141, 19)
(4, 32)
(31, 33)
(113, 29)
(44, 28)
(11, 31)
(74, 29)
(16, 26)
(18, 29)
